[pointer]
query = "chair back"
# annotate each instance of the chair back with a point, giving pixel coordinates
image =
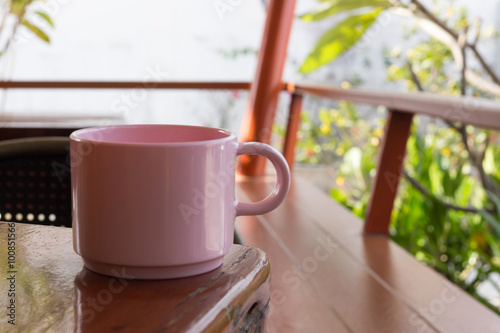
(35, 182)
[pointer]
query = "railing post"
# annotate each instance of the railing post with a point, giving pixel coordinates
(389, 170)
(261, 107)
(292, 128)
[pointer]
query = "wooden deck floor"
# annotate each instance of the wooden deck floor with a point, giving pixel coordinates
(328, 277)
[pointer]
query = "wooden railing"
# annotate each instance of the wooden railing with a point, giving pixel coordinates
(473, 111)
(401, 108)
(124, 85)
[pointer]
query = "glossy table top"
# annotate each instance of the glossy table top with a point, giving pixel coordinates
(52, 292)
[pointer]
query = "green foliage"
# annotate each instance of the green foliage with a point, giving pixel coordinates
(429, 59)
(344, 34)
(34, 29)
(45, 17)
(463, 246)
(447, 213)
(339, 39)
(18, 7)
(492, 219)
(19, 14)
(326, 140)
(334, 7)
(460, 245)
(335, 138)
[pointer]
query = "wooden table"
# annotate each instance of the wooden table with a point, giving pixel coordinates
(327, 276)
(55, 293)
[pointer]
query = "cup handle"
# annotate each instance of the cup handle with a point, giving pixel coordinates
(276, 197)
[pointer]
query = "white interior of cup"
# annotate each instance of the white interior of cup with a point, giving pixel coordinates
(151, 134)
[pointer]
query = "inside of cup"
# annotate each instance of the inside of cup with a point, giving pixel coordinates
(151, 134)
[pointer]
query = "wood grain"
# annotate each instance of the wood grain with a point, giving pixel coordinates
(261, 106)
(368, 282)
(294, 307)
(292, 129)
(474, 111)
(389, 170)
(55, 293)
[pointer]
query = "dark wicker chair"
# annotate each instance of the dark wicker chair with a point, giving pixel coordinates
(35, 182)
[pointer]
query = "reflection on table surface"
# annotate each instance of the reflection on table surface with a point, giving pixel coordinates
(55, 292)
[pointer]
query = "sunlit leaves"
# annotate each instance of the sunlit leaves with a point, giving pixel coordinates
(36, 30)
(338, 6)
(46, 17)
(339, 39)
(19, 14)
(462, 244)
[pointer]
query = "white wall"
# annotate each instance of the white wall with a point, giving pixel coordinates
(127, 40)
(182, 40)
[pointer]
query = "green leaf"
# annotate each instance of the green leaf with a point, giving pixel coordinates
(493, 242)
(338, 6)
(338, 195)
(447, 184)
(46, 18)
(495, 199)
(463, 192)
(459, 178)
(436, 178)
(338, 40)
(492, 221)
(36, 30)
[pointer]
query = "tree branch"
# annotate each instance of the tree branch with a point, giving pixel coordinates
(439, 34)
(462, 42)
(452, 125)
(476, 159)
(483, 63)
(414, 77)
(421, 188)
(434, 19)
(482, 153)
(416, 81)
(422, 9)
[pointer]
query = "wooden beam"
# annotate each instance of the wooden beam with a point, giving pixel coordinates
(261, 107)
(389, 169)
(479, 112)
(125, 85)
(292, 129)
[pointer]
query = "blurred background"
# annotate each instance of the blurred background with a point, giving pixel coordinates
(178, 40)
(448, 210)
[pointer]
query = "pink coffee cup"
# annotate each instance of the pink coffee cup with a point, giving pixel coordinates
(157, 201)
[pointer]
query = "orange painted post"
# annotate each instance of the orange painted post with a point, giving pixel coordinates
(389, 170)
(292, 128)
(261, 107)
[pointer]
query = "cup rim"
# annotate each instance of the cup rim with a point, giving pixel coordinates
(229, 135)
